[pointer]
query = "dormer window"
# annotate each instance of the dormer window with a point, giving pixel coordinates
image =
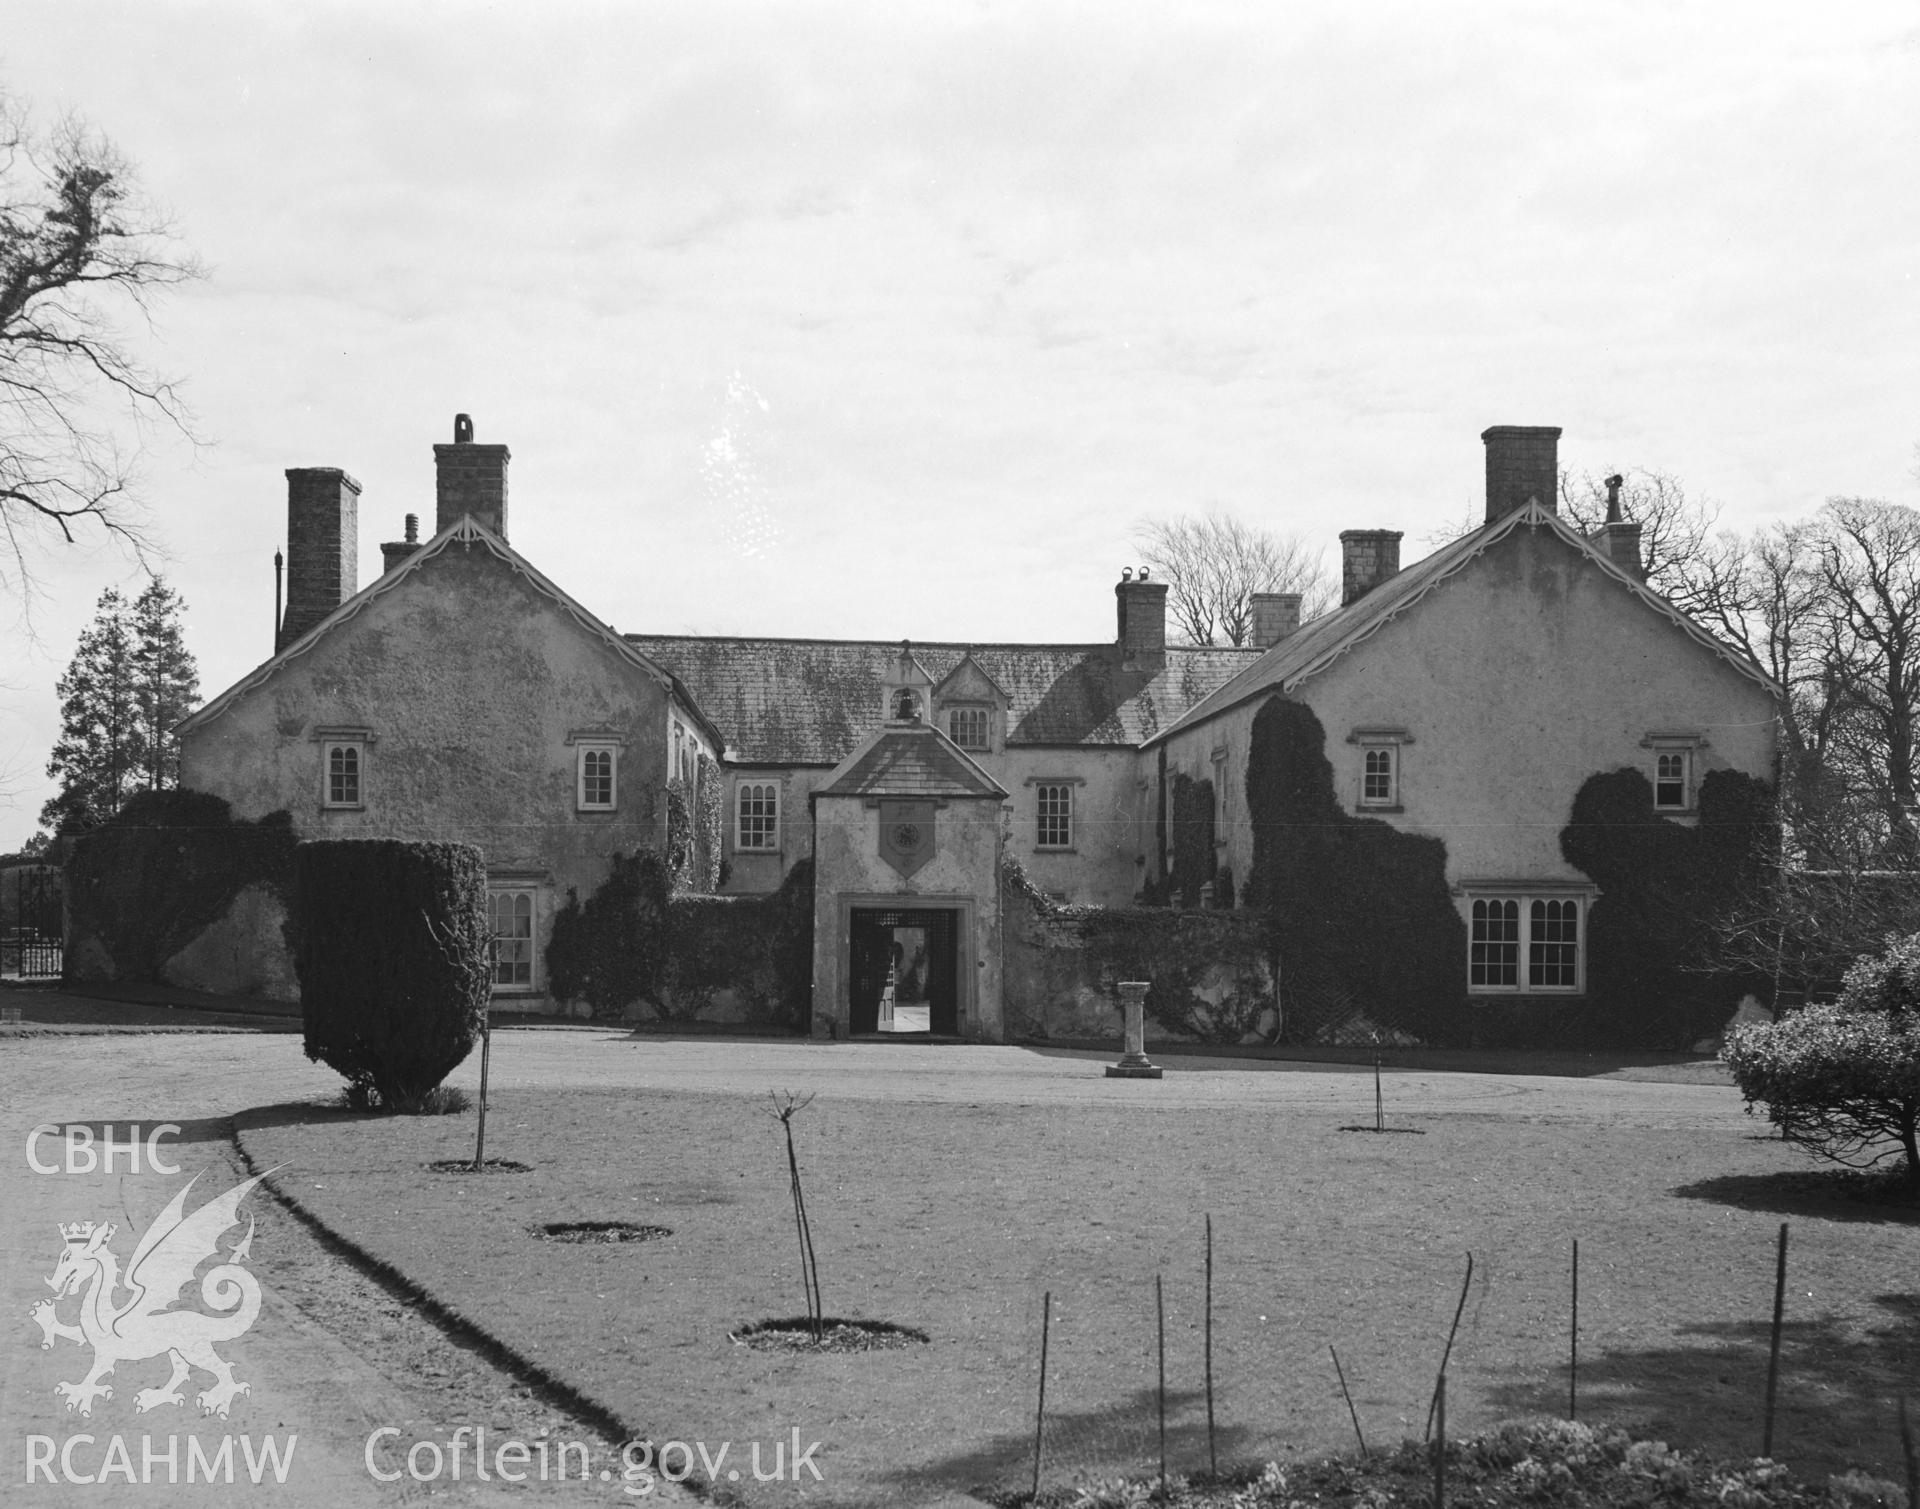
(970, 727)
(906, 706)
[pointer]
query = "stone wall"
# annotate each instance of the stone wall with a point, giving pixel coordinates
(1211, 977)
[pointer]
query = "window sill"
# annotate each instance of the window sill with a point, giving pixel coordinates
(343, 806)
(1055, 849)
(1379, 807)
(1523, 993)
(740, 851)
(596, 811)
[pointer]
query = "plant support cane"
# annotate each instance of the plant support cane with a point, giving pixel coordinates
(486, 1051)
(1773, 1350)
(1040, 1413)
(1213, 1460)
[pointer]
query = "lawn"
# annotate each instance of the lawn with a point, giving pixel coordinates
(956, 1220)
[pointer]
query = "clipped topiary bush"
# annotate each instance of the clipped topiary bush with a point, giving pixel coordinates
(391, 944)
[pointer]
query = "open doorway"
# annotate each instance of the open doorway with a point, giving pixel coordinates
(904, 975)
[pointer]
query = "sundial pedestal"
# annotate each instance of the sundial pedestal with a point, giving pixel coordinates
(1134, 1063)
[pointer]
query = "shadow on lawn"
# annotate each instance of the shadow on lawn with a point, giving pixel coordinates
(1104, 1442)
(1835, 1407)
(300, 1113)
(1821, 1194)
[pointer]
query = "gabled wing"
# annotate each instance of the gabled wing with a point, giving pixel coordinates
(175, 1245)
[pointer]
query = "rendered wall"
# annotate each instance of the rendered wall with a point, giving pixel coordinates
(1112, 821)
(1519, 677)
(469, 680)
(964, 873)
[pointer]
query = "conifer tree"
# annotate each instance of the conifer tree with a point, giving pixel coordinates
(130, 681)
(167, 681)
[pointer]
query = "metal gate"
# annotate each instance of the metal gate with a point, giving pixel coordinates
(33, 933)
(873, 934)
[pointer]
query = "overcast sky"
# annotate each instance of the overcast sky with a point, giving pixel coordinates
(894, 320)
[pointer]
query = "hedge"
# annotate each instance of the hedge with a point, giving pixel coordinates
(391, 943)
(166, 867)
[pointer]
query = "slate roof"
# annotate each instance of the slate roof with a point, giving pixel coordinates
(467, 532)
(911, 760)
(1315, 646)
(811, 701)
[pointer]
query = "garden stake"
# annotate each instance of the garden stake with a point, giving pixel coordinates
(1773, 1352)
(1573, 1341)
(1458, 1310)
(809, 1267)
(1213, 1462)
(1040, 1414)
(1379, 1105)
(1440, 1446)
(1160, 1308)
(1354, 1414)
(1906, 1450)
(486, 1048)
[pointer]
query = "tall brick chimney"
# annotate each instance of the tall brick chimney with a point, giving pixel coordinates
(1367, 558)
(1523, 461)
(1275, 616)
(470, 479)
(1142, 609)
(323, 544)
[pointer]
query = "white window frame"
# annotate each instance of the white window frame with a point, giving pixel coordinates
(1527, 903)
(1379, 744)
(516, 889)
(584, 751)
(971, 710)
(358, 740)
(1681, 747)
(1041, 816)
(741, 788)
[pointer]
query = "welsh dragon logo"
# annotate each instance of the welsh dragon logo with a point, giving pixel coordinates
(143, 1325)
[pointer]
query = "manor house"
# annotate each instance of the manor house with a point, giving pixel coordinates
(463, 695)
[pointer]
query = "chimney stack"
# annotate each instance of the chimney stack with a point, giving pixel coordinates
(1367, 558)
(396, 551)
(1523, 462)
(1143, 617)
(470, 479)
(1619, 537)
(323, 543)
(1275, 616)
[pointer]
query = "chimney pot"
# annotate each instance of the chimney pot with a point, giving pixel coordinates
(462, 429)
(1523, 463)
(413, 529)
(1275, 616)
(1367, 558)
(323, 545)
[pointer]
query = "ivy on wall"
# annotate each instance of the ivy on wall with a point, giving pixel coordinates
(1208, 970)
(635, 942)
(1193, 837)
(1360, 917)
(694, 816)
(1650, 940)
(166, 867)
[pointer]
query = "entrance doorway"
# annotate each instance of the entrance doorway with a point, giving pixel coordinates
(905, 970)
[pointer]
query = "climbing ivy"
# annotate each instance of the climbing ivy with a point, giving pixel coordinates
(1362, 923)
(1193, 837)
(164, 868)
(1663, 886)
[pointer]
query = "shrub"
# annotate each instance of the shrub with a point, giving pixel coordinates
(1887, 983)
(391, 944)
(1843, 1080)
(166, 867)
(612, 951)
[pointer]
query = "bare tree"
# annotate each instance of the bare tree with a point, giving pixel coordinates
(78, 243)
(1674, 528)
(1213, 564)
